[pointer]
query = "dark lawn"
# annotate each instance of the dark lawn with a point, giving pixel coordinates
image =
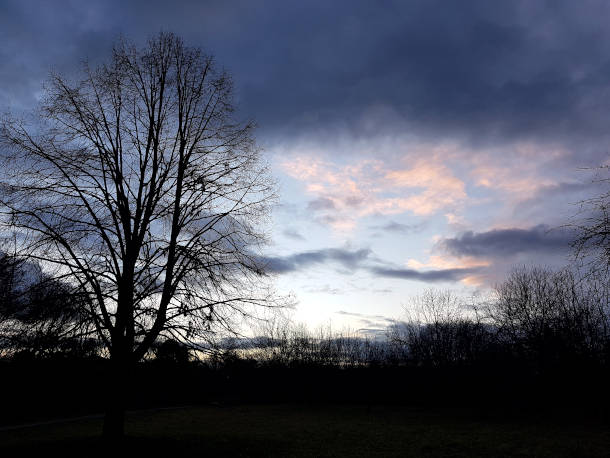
(319, 430)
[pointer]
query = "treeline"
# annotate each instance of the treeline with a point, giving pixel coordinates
(542, 338)
(540, 343)
(539, 318)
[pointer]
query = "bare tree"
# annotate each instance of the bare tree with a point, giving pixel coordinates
(39, 315)
(552, 316)
(139, 187)
(440, 330)
(592, 243)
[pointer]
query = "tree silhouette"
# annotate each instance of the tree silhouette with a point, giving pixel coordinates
(138, 186)
(39, 314)
(592, 225)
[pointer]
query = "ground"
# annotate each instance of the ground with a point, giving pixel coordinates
(299, 430)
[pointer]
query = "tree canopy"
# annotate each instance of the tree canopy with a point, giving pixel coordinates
(137, 185)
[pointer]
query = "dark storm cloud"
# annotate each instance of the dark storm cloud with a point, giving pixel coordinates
(508, 242)
(40, 37)
(475, 68)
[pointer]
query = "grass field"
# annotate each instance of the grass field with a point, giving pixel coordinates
(292, 430)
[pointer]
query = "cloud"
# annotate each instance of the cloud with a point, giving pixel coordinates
(474, 270)
(440, 187)
(485, 257)
(348, 192)
(428, 276)
(519, 174)
(321, 203)
(371, 325)
(365, 316)
(558, 202)
(293, 234)
(475, 74)
(512, 70)
(348, 259)
(498, 243)
(521, 87)
(324, 289)
(365, 260)
(516, 69)
(398, 228)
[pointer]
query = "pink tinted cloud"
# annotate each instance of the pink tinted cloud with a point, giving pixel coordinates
(425, 179)
(519, 173)
(440, 188)
(367, 187)
(477, 278)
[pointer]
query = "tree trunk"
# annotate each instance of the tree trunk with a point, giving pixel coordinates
(116, 402)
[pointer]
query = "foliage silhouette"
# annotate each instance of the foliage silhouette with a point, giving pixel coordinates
(137, 187)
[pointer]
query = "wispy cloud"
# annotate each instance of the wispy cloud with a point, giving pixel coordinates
(428, 276)
(293, 234)
(398, 228)
(518, 173)
(365, 316)
(370, 325)
(346, 193)
(321, 203)
(363, 260)
(348, 259)
(324, 289)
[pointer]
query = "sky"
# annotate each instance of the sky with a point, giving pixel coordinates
(416, 144)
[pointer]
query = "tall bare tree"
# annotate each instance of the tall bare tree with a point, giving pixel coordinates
(137, 184)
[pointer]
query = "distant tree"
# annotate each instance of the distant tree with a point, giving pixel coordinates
(9, 272)
(138, 186)
(171, 351)
(552, 317)
(439, 332)
(9, 268)
(39, 314)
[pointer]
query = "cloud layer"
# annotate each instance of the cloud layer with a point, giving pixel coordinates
(486, 71)
(343, 194)
(405, 111)
(363, 260)
(508, 242)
